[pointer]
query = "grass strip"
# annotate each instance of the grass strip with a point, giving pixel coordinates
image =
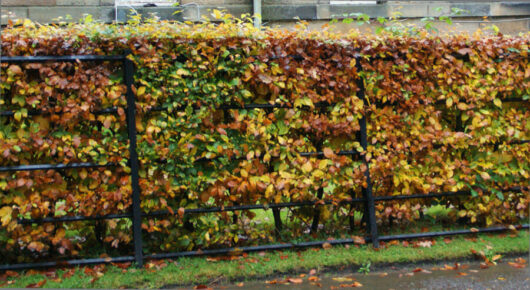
(199, 270)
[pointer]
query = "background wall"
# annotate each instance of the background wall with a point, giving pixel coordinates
(510, 16)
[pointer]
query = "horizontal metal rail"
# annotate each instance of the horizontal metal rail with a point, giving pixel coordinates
(33, 167)
(67, 263)
(429, 195)
(252, 206)
(61, 58)
(73, 218)
(114, 110)
(449, 233)
(186, 211)
(283, 246)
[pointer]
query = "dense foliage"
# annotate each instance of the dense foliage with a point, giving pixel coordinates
(439, 119)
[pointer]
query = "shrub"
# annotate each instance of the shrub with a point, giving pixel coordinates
(439, 119)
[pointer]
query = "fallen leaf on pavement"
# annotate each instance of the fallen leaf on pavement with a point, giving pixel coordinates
(353, 285)
(295, 280)
(517, 265)
(342, 279)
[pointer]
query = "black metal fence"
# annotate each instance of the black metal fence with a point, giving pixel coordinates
(136, 214)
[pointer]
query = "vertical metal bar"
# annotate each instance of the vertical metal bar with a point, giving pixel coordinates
(367, 191)
(128, 71)
(351, 217)
(277, 219)
(316, 217)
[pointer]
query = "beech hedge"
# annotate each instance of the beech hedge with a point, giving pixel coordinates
(441, 117)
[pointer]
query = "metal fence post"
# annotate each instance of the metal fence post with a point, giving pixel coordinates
(367, 191)
(128, 71)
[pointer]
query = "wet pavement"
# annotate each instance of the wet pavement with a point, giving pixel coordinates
(437, 276)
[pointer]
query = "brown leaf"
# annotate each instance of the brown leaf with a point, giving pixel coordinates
(181, 211)
(352, 285)
(295, 280)
(313, 279)
(328, 152)
(358, 240)
(464, 51)
(517, 265)
(37, 285)
(326, 246)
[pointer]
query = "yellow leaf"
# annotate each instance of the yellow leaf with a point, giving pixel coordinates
(217, 14)
(269, 191)
(5, 215)
(140, 91)
(485, 175)
(244, 173)
(307, 167)
(449, 102)
(497, 102)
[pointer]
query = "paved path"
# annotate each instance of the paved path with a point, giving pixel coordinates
(467, 276)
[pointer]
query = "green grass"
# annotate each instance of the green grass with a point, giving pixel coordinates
(189, 271)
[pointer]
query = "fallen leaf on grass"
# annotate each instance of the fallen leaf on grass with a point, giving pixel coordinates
(11, 274)
(474, 230)
(313, 279)
(417, 270)
(462, 274)
(358, 240)
(68, 274)
(240, 284)
(326, 246)
(37, 285)
(425, 244)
